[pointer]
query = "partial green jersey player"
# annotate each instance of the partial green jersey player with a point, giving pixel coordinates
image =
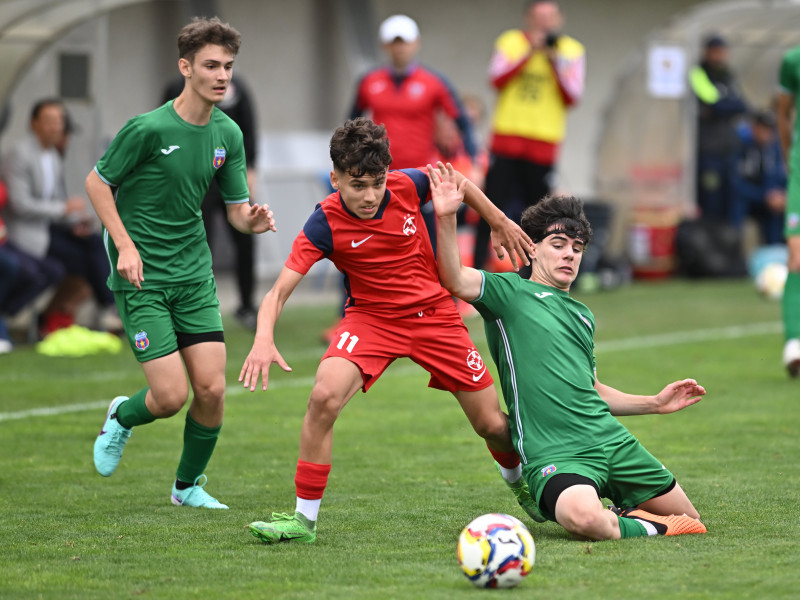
(573, 451)
(788, 103)
(147, 190)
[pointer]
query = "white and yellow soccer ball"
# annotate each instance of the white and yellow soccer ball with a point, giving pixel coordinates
(771, 280)
(496, 551)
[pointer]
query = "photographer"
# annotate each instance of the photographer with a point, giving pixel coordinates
(538, 73)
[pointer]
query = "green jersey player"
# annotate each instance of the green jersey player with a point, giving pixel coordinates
(573, 450)
(147, 190)
(788, 130)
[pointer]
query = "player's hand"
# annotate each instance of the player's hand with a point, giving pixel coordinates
(130, 267)
(679, 395)
(258, 362)
(446, 193)
(509, 237)
(260, 218)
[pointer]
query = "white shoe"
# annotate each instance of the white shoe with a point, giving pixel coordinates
(5, 346)
(791, 357)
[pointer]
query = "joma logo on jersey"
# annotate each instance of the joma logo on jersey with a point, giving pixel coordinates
(409, 227)
(219, 157)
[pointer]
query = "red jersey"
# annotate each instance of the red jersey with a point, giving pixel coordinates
(406, 105)
(388, 262)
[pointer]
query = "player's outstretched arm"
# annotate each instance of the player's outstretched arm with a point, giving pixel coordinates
(507, 236)
(674, 397)
(264, 352)
(447, 193)
(251, 219)
(129, 262)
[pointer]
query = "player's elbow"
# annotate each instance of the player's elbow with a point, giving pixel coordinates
(459, 288)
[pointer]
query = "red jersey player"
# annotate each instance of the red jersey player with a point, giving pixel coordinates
(372, 230)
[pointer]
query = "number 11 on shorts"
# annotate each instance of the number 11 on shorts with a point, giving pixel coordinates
(343, 340)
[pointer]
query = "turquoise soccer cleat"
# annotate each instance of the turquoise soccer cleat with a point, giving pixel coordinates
(196, 496)
(111, 441)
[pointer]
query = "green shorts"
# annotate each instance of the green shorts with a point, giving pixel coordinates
(623, 470)
(159, 322)
(791, 225)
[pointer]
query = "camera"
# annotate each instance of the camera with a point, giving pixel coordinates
(551, 39)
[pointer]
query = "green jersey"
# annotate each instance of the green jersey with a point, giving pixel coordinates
(542, 342)
(789, 80)
(159, 167)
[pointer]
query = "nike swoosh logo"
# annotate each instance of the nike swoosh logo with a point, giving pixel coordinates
(290, 536)
(478, 377)
(169, 150)
(354, 243)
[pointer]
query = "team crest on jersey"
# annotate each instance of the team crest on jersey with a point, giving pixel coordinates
(409, 226)
(549, 470)
(219, 157)
(474, 360)
(141, 341)
(416, 89)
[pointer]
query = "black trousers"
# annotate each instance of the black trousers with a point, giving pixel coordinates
(242, 242)
(513, 185)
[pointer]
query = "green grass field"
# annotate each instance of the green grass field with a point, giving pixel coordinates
(408, 472)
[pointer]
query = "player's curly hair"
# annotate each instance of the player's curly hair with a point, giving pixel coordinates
(202, 32)
(565, 212)
(360, 147)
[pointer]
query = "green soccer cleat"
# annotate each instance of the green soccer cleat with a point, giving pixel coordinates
(110, 441)
(285, 528)
(524, 498)
(195, 496)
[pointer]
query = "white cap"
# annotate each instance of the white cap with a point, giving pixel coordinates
(399, 26)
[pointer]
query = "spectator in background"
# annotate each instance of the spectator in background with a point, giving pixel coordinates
(406, 97)
(760, 182)
(720, 105)
(46, 223)
(539, 74)
(238, 105)
(22, 277)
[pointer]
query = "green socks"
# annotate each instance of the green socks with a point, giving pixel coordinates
(791, 306)
(198, 446)
(629, 528)
(133, 411)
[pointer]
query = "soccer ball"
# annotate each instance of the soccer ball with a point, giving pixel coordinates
(771, 280)
(496, 551)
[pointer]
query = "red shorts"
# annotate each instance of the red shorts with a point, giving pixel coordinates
(436, 339)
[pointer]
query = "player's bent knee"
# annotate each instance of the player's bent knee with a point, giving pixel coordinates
(325, 402)
(491, 428)
(591, 525)
(170, 402)
(210, 392)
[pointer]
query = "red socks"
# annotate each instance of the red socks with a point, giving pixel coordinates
(311, 479)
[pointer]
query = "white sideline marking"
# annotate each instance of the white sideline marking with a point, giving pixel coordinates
(686, 337)
(635, 343)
